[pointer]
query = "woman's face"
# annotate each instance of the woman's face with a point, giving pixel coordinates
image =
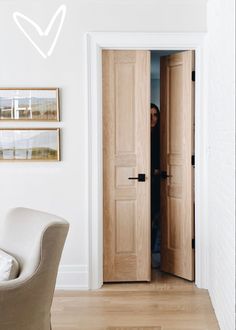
(154, 117)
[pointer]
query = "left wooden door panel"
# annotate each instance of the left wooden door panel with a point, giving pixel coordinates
(126, 152)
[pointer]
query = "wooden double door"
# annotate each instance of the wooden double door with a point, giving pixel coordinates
(126, 165)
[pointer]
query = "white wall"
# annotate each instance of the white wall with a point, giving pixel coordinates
(62, 188)
(155, 92)
(155, 78)
(220, 48)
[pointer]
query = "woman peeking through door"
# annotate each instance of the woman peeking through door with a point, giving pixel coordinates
(155, 185)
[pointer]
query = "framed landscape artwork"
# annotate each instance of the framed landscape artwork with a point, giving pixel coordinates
(30, 144)
(39, 104)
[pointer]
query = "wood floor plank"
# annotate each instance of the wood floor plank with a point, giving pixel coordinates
(134, 328)
(167, 303)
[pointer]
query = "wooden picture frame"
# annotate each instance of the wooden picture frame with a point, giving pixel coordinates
(29, 144)
(34, 104)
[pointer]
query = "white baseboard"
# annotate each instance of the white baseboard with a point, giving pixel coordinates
(72, 277)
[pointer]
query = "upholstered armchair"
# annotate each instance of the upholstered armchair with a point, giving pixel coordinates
(36, 240)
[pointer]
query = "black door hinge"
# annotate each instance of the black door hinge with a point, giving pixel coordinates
(193, 75)
(193, 160)
(193, 243)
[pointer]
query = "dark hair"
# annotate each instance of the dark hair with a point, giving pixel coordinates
(157, 109)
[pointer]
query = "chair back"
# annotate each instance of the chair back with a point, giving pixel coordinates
(36, 239)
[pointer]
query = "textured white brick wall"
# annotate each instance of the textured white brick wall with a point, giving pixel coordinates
(220, 45)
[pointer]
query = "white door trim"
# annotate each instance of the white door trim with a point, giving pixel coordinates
(95, 42)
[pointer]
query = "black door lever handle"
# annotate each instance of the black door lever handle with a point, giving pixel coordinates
(141, 177)
(164, 175)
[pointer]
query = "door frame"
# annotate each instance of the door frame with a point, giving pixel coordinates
(94, 43)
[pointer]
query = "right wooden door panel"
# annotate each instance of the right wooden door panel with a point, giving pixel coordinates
(177, 255)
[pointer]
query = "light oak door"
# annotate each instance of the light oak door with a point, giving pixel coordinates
(126, 154)
(177, 208)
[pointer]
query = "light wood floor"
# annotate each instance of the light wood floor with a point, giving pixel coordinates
(167, 303)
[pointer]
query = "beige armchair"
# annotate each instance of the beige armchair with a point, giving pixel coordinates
(36, 240)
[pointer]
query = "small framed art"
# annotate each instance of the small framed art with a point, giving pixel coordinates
(38, 104)
(29, 144)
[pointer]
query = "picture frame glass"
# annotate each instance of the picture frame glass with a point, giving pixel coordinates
(29, 104)
(29, 144)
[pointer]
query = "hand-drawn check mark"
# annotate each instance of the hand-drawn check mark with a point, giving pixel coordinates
(60, 13)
